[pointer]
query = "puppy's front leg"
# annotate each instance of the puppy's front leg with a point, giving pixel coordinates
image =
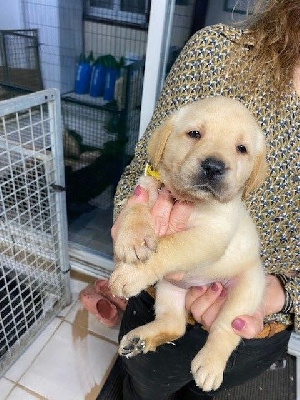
(136, 239)
(128, 280)
(171, 255)
(243, 298)
(169, 324)
(188, 250)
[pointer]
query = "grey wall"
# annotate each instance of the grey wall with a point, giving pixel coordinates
(216, 14)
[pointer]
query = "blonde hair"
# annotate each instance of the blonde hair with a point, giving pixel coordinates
(274, 31)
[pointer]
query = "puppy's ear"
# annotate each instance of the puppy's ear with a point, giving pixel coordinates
(258, 173)
(158, 141)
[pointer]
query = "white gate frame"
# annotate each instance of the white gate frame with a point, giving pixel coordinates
(159, 34)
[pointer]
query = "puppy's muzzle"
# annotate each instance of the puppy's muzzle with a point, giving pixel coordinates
(212, 169)
(210, 177)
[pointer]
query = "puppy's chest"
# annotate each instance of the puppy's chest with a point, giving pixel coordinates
(210, 214)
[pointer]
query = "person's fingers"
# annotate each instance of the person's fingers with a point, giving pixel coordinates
(161, 212)
(204, 301)
(248, 326)
(140, 195)
(209, 316)
(193, 294)
(180, 214)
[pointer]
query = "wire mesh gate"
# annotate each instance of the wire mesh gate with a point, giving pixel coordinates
(34, 278)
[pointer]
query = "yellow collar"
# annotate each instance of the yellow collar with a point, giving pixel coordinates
(149, 171)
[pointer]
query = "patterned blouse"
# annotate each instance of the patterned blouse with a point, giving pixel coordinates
(200, 72)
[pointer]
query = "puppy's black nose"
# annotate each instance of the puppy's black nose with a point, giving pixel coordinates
(213, 168)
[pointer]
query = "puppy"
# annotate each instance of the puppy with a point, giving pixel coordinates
(209, 153)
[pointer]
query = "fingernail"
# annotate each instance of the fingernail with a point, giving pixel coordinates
(137, 191)
(238, 324)
(199, 289)
(214, 287)
(223, 293)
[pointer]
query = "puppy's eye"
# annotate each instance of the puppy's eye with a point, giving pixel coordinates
(194, 134)
(241, 149)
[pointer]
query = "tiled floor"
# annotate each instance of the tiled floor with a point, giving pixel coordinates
(68, 361)
(92, 230)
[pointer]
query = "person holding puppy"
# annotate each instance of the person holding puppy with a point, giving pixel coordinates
(258, 65)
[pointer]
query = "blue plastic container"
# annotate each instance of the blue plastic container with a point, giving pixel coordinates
(98, 81)
(83, 78)
(112, 74)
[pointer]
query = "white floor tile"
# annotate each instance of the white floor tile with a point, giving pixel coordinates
(64, 311)
(91, 322)
(71, 364)
(5, 387)
(77, 286)
(23, 363)
(20, 394)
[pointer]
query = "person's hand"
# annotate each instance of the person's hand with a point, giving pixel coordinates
(169, 217)
(205, 303)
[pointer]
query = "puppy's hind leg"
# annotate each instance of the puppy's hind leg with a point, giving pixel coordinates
(243, 298)
(169, 323)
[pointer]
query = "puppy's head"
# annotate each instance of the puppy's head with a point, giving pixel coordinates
(210, 148)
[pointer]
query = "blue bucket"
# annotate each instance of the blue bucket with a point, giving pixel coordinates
(83, 78)
(98, 81)
(112, 74)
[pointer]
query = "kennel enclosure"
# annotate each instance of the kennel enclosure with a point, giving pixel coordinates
(34, 266)
(20, 71)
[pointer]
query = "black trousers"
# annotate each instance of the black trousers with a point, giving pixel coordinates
(159, 375)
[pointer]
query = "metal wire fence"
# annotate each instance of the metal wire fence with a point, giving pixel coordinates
(33, 232)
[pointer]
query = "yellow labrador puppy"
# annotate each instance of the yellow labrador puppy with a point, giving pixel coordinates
(209, 153)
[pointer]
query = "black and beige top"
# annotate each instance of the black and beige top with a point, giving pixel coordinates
(200, 72)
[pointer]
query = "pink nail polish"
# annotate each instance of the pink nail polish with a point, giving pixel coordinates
(137, 191)
(238, 324)
(214, 287)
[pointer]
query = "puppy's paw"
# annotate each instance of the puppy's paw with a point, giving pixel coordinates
(207, 370)
(131, 346)
(145, 338)
(128, 280)
(136, 244)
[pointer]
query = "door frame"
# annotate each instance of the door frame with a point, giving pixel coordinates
(159, 34)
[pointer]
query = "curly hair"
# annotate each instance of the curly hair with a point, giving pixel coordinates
(274, 29)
